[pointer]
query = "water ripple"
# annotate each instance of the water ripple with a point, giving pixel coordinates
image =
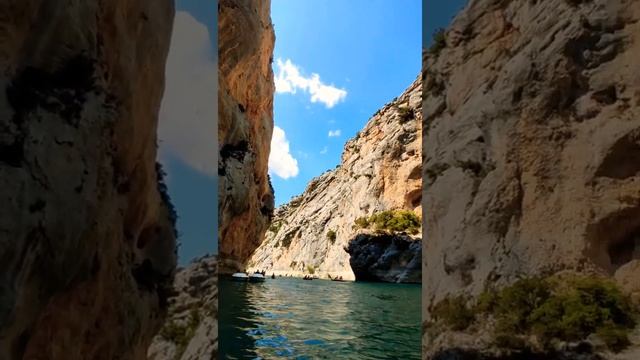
(288, 318)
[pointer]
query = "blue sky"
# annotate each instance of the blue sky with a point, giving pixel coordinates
(364, 52)
(438, 14)
(188, 128)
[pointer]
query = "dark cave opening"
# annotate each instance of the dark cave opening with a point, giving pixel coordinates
(615, 239)
(626, 250)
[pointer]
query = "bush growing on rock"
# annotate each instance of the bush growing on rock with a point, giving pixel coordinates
(362, 222)
(549, 309)
(181, 333)
(439, 42)
(393, 221)
(454, 313)
(331, 235)
(405, 114)
(275, 227)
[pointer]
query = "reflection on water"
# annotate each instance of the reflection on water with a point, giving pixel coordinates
(296, 319)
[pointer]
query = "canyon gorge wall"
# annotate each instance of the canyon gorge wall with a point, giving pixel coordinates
(245, 114)
(380, 170)
(532, 148)
(190, 331)
(87, 237)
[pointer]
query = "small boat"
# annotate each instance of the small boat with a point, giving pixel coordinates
(340, 280)
(257, 277)
(240, 276)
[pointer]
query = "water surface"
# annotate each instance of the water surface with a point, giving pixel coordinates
(289, 318)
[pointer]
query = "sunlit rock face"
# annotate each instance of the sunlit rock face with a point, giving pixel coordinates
(532, 147)
(245, 114)
(380, 170)
(87, 239)
(190, 331)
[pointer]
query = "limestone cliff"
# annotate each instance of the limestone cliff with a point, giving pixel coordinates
(532, 148)
(87, 240)
(245, 114)
(190, 331)
(380, 170)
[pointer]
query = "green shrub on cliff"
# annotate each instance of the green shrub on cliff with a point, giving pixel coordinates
(362, 222)
(393, 221)
(275, 227)
(396, 221)
(331, 235)
(181, 333)
(164, 195)
(405, 114)
(551, 309)
(439, 42)
(454, 313)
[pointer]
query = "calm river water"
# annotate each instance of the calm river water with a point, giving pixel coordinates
(289, 318)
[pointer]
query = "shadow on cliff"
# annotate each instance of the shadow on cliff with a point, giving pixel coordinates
(386, 258)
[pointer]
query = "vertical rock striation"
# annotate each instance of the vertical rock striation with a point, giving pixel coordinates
(380, 170)
(245, 107)
(87, 239)
(532, 146)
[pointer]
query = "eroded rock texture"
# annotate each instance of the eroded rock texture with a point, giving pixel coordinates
(87, 241)
(245, 107)
(532, 146)
(385, 257)
(380, 170)
(190, 331)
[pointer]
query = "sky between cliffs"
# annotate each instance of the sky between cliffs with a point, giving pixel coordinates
(188, 129)
(335, 63)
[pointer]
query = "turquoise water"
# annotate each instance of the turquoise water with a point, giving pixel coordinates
(287, 318)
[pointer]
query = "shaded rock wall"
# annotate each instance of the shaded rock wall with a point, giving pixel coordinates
(380, 170)
(245, 114)
(87, 241)
(385, 257)
(532, 123)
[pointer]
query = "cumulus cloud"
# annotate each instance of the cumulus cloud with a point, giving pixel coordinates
(334, 133)
(281, 162)
(289, 79)
(187, 126)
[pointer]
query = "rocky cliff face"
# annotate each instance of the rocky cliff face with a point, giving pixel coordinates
(385, 257)
(87, 241)
(532, 146)
(190, 331)
(380, 170)
(245, 114)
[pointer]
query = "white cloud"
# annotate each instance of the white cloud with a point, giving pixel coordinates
(334, 133)
(187, 126)
(281, 162)
(324, 150)
(289, 78)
